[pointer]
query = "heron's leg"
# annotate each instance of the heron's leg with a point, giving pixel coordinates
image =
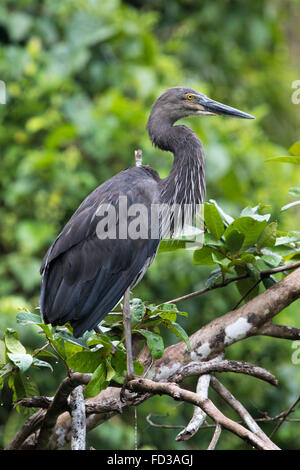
(127, 331)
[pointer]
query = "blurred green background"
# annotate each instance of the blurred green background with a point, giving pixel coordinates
(81, 76)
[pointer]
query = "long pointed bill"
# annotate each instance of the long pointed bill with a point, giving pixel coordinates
(213, 107)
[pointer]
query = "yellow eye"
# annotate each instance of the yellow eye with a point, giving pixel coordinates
(190, 97)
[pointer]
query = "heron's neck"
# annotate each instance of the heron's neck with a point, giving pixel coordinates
(186, 181)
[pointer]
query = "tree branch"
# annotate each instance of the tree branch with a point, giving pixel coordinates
(206, 344)
(77, 407)
(174, 391)
(241, 411)
(59, 403)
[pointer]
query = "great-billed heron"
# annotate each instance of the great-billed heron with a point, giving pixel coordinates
(87, 271)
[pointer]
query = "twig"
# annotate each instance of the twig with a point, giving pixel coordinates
(78, 440)
(279, 331)
(215, 437)
(163, 426)
(284, 415)
(173, 390)
(244, 297)
(241, 411)
(263, 274)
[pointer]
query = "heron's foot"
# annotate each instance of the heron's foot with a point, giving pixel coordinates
(125, 392)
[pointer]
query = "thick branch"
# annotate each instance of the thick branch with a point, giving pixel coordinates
(78, 419)
(59, 403)
(199, 415)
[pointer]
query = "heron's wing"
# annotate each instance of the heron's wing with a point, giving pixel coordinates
(85, 276)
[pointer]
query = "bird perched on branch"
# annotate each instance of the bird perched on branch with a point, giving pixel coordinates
(108, 244)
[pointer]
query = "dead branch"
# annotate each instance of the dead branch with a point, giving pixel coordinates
(59, 402)
(215, 437)
(77, 407)
(241, 411)
(174, 391)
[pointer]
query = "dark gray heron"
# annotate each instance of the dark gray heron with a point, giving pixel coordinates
(86, 274)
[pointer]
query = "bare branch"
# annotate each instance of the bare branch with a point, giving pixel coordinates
(215, 438)
(173, 390)
(279, 331)
(163, 426)
(78, 441)
(30, 426)
(59, 403)
(241, 410)
(199, 415)
(284, 416)
(214, 365)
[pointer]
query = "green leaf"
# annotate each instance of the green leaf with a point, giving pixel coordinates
(138, 310)
(180, 332)
(13, 344)
(214, 277)
(203, 256)
(118, 361)
(38, 363)
(271, 258)
(268, 236)
(98, 338)
(170, 316)
(227, 219)
(138, 368)
(290, 237)
(154, 342)
(85, 361)
(294, 191)
(295, 149)
(97, 382)
(25, 318)
(23, 386)
(222, 261)
(209, 239)
(246, 258)
(249, 227)
(253, 212)
(110, 372)
(213, 220)
(234, 241)
(22, 361)
(171, 245)
(295, 160)
(69, 338)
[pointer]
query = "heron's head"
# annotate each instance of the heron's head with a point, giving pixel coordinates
(179, 102)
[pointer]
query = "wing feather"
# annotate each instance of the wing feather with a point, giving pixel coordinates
(84, 277)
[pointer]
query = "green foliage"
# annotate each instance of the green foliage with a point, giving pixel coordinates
(101, 355)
